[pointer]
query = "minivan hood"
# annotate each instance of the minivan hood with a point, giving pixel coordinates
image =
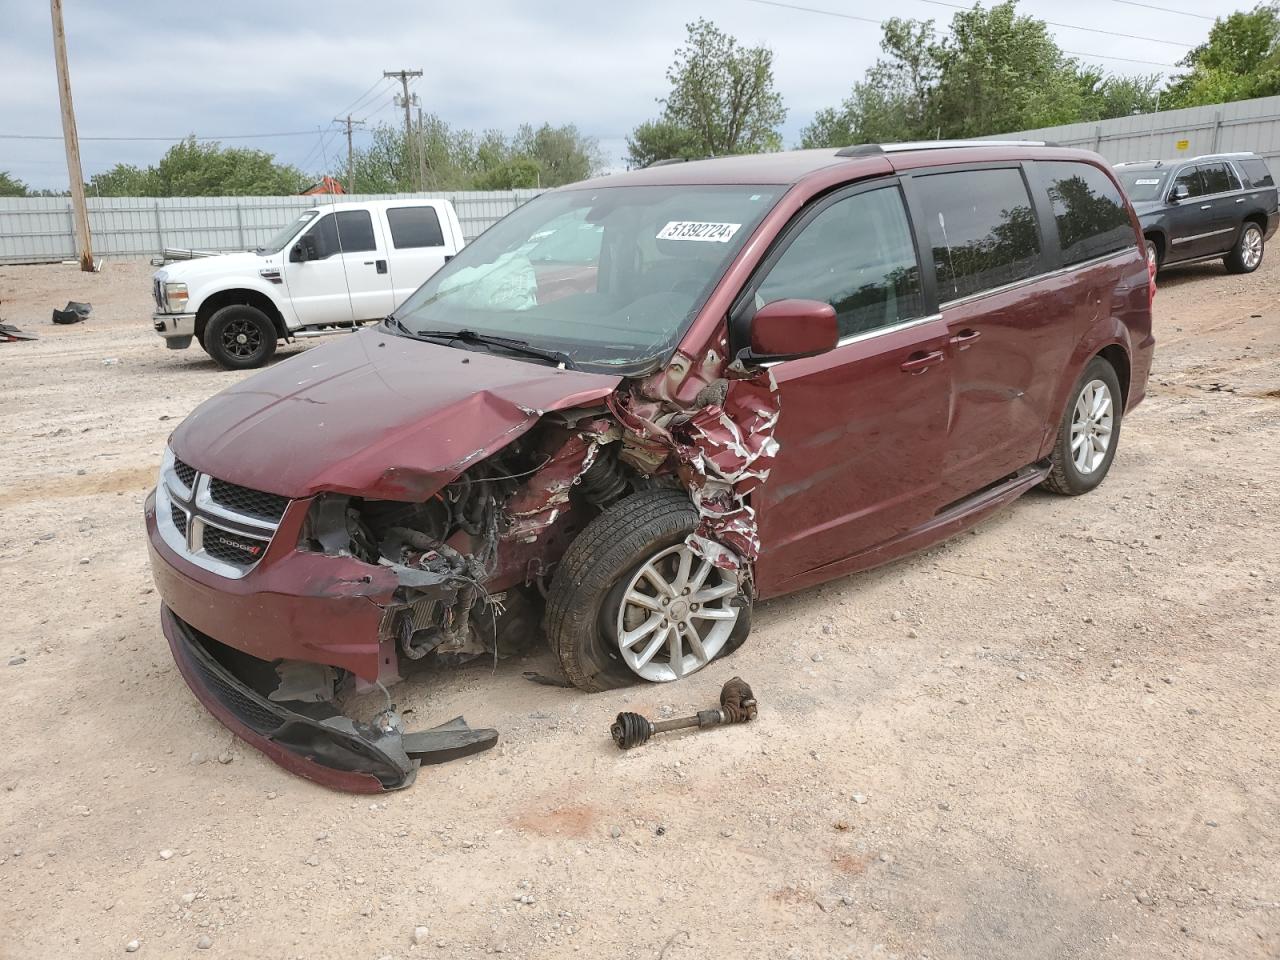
(224, 264)
(374, 415)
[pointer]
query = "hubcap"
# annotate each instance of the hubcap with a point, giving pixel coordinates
(1091, 426)
(241, 338)
(1151, 255)
(1252, 250)
(675, 615)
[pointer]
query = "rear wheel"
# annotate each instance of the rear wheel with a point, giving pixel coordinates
(240, 337)
(1089, 432)
(630, 601)
(1246, 255)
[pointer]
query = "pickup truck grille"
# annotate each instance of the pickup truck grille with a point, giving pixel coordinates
(215, 524)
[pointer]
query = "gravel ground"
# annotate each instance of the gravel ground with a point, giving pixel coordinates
(1055, 736)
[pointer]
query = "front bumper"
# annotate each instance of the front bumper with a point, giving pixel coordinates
(312, 740)
(176, 328)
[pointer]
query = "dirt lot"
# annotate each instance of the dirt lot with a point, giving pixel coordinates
(1058, 736)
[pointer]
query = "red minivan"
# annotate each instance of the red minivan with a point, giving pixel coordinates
(635, 407)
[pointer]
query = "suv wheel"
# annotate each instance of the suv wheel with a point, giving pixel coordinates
(240, 337)
(1153, 256)
(1246, 255)
(630, 601)
(1089, 432)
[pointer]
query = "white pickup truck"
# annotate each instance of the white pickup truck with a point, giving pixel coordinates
(338, 265)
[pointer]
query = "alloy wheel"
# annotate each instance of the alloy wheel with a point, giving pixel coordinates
(1091, 426)
(241, 338)
(1251, 247)
(676, 615)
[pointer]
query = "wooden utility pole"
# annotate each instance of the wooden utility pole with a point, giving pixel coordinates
(71, 140)
(405, 101)
(351, 169)
(422, 153)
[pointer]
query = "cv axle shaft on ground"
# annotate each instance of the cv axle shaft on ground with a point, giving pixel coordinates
(737, 705)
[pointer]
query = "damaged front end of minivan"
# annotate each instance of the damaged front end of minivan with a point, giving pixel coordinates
(382, 586)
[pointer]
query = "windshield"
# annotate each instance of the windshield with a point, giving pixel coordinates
(1143, 184)
(611, 276)
(281, 239)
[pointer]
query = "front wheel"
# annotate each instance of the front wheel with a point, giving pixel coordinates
(1089, 432)
(239, 337)
(1246, 255)
(630, 601)
(1153, 256)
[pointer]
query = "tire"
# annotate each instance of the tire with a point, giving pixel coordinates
(1246, 255)
(590, 597)
(240, 337)
(1073, 470)
(1153, 253)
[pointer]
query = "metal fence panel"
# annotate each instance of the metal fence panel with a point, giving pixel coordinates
(40, 229)
(1245, 125)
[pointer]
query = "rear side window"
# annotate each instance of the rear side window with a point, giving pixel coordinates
(414, 227)
(1258, 173)
(858, 256)
(350, 231)
(982, 231)
(1088, 209)
(1216, 178)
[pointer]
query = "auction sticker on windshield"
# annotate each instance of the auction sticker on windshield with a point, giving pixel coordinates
(698, 230)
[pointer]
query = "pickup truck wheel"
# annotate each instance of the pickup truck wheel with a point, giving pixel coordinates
(240, 337)
(629, 601)
(1246, 255)
(1089, 432)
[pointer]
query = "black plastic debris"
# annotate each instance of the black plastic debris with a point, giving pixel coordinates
(11, 334)
(74, 312)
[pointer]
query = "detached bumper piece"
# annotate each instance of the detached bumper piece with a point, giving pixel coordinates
(312, 740)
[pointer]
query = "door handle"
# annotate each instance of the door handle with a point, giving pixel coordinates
(1205, 206)
(965, 339)
(919, 361)
(382, 266)
(1239, 199)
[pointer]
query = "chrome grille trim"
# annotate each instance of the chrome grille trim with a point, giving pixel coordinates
(175, 499)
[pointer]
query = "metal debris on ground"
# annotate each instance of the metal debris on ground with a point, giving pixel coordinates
(74, 312)
(737, 705)
(11, 334)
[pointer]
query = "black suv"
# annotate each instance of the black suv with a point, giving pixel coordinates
(1223, 205)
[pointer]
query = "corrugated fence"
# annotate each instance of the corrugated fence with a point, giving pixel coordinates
(1246, 125)
(39, 229)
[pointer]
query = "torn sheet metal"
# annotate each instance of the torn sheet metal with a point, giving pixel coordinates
(545, 496)
(723, 449)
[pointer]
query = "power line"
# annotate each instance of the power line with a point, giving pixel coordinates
(233, 136)
(355, 104)
(850, 16)
(1152, 6)
(1072, 26)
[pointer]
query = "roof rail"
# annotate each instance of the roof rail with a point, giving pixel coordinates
(868, 149)
(670, 160)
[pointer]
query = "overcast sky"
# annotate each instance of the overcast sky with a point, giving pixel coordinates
(164, 69)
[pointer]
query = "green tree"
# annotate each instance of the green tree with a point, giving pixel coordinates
(660, 140)
(722, 97)
(562, 154)
(1240, 60)
(12, 186)
(192, 168)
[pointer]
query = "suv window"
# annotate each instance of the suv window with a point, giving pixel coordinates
(1257, 171)
(1088, 209)
(982, 230)
(858, 256)
(1189, 178)
(413, 227)
(1216, 178)
(354, 228)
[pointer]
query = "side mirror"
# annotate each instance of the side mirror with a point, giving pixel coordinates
(791, 329)
(1180, 192)
(303, 250)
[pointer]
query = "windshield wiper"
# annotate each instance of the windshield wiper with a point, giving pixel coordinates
(391, 320)
(557, 357)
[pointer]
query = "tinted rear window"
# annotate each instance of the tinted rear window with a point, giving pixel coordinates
(1088, 209)
(1257, 172)
(982, 230)
(414, 227)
